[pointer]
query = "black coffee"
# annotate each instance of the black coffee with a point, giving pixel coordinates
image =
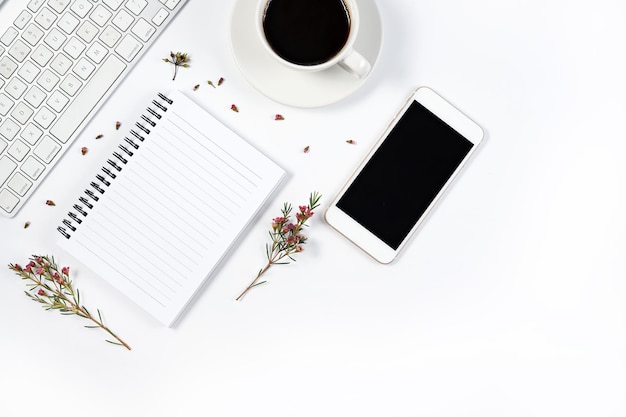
(306, 32)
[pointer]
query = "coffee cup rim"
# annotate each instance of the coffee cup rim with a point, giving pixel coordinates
(343, 52)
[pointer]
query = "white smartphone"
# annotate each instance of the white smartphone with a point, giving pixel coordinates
(404, 175)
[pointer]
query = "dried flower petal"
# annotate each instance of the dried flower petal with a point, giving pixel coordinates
(220, 81)
(306, 149)
(84, 150)
(100, 136)
(279, 117)
(50, 203)
(178, 59)
(234, 108)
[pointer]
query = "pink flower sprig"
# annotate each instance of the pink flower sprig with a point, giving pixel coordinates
(287, 237)
(52, 287)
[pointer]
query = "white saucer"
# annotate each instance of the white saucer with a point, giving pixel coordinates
(299, 88)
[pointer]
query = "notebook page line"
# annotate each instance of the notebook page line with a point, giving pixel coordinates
(125, 248)
(88, 246)
(147, 218)
(234, 160)
(200, 191)
(211, 168)
(178, 207)
(138, 232)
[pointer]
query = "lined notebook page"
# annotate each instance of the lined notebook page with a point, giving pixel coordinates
(174, 209)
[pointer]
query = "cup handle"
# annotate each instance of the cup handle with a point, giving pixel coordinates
(356, 64)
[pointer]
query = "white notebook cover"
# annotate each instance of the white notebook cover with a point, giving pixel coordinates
(174, 208)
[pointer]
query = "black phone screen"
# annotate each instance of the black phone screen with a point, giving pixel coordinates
(404, 175)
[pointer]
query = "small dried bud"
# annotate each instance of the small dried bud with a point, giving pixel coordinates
(234, 108)
(211, 83)
(26, 225)
(306, 149)
(50, 203)
(351, 142)
(84, 150)
(100, 136)
(279, 117)
(117, 125)
(220, 81)
(195, 87)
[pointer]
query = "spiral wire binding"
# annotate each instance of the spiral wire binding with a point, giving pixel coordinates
(113, 165)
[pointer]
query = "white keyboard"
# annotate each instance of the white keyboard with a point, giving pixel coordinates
(59, 60)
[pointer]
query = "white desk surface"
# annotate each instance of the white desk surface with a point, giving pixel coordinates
(511, 301)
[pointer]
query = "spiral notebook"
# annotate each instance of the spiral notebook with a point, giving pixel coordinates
(166, 206)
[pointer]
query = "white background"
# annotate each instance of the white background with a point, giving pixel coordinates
(510, 301)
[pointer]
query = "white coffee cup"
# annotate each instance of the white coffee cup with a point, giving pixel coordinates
(293, 34)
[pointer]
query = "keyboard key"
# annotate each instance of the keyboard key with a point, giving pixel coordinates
(3, 145)
(143, 29)
(6, 168)
(68, 23)
(32, 167)
(19, 184)
(18, 150)
(34, 5)
(8, 201)
(83, 68)
(58, 5)
(74, 47)
(100, 15)
(31, 134)
(97, 52)
(87, 31)
(22, 113)
(45, 18)
(7, 67)
(15, 88)
(5, 104)
(55, 39)
(81, 7)
(171, 4)
(35, 96)
(123, 20)
(86, 100)
(113, 4)
(42, 55)
(136, 6)
(61, 64)
(9, 36)
(19, 50)
(160, 16)
(28, 71)
(71, 84)
(48, 80)
(110, 36)
(22, 19)
(32, 34)
(8, 129)
(44, 117)
(57, 101)
(47, 149)
(128, 48)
